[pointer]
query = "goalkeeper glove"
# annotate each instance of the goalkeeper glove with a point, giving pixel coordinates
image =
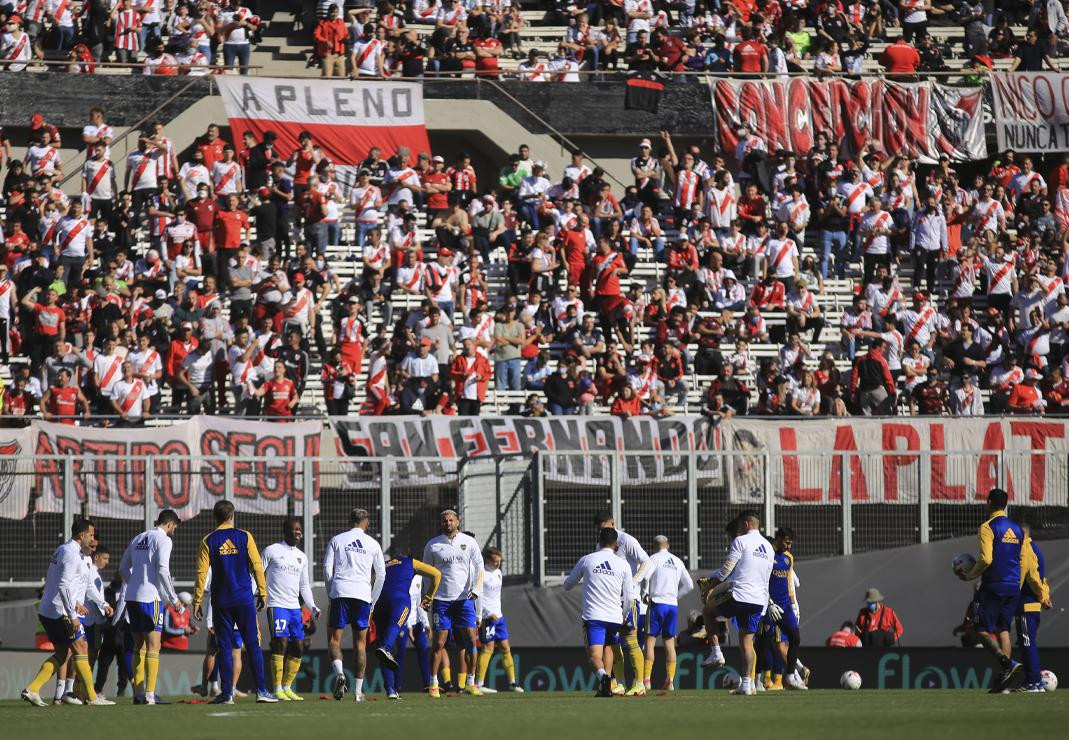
(775, 612)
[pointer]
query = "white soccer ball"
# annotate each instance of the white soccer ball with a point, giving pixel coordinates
(963, 563)
(851, 680)
(1048, 680)
(730, 681)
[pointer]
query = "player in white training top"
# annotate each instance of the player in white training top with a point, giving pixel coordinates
(286, 572)
(354, 570)
(630, 550)
(457, 556)
(740, 590)
(607, 597)
(666, 579)
(146, 571)
(493, 630)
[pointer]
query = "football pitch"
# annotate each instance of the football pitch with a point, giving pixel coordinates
(943, 714)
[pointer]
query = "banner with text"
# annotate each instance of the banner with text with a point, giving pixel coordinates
(345, 117)
(917, 120)
(109, 469)
(891, 460)
(455, 437)
(1031, 110)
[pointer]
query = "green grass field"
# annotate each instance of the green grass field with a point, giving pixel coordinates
(945, 715)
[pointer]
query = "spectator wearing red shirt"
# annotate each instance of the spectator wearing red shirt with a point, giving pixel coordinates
(1025, 397)
(627, 404)
(177, 626)
(671, 52)
(752, 209)
(181, 346)
(201, 213)
(331, 36)
(212, 147)
(877, 623)
(50, 324)
(314, 207)
(487, 51)
(751, 55)
(279, 393)
(844, 637)
(871, 382)
(900, 58)
(470, 372)
(231, 229)
(437, 185)
(683, 262)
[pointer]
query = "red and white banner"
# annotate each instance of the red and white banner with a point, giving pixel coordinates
(917, 120)
(345, 117)
(891, 460)
(1031, 110)
(109, 469)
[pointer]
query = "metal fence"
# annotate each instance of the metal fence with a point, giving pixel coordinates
(539, 511)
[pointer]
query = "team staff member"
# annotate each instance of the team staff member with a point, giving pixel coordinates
(354, 571)
(667, 580)
(1006, 562)
(286, 573)
(231, 555)
(457, 556)
(61, 616)
(607, 597)
(740, 590)
(394, 609)
(877, 623)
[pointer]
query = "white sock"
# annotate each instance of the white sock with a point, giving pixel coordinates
(745, 686)
(434, 680)
(285, 688)
(213, 686)
(60, 688)
(717, 652)
(471, 680)
(601, 673)
(800, 667)
(68, 685)
(359, 685)
(339, 668)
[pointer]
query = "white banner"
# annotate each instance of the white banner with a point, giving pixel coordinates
(109, 468)
(345, 117)
(1031, 110)
(890, 465)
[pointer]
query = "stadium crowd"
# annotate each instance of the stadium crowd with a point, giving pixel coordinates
(213, 282)
(413, 38)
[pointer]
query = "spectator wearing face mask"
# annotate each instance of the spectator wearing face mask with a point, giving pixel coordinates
(877, 624)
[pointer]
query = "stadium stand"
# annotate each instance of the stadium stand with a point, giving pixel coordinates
(814, 309)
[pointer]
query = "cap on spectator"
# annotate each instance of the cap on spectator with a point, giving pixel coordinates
(161, 294)
(438, 158)
(850, 166)
(187, 325)
(644, 357)
(1032, 374)
(985, 60)
(264, 191)
(15, 18)
(645, 143)
(299, 277)
(425, 342)
(354, 299)
(37, 120)
(445, 252)
(918, 296)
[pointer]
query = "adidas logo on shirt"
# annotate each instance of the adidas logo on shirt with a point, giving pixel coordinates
(761, 552)
(227, 548)
(604, 569)
(355, 545)
(1010, 538)
(142, 544)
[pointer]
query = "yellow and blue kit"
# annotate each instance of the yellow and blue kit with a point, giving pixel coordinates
(1028, 619)
(394, 607)
(781, 588)
(232, 556)
(1004, 564)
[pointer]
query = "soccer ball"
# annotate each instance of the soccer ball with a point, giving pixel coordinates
(1048, 680)
(732, 681)
(963, 563)
(851, 680)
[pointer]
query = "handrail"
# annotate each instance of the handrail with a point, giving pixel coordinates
(34, 62)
